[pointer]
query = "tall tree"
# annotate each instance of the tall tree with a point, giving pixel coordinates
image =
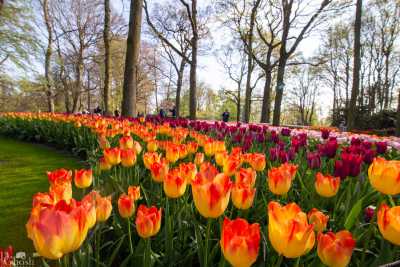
(107, 57)
(192, 15)
(250, 61)
(49, 28)
(356, 68)
(290, 13)
(173, 28)
(132, 59)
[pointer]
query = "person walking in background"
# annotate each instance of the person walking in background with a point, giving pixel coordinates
(162, 113)
(173, 112)
(225, 116)
(97, 110)
(116, 113)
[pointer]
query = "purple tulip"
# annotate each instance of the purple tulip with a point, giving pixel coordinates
(313, 160)
(381, 147)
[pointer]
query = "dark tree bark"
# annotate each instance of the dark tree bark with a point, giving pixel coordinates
(193, 63)
(107, 57)
(49, 89)
(179, 83)
(356, 69)
(132, 58)
(398, 116)
(250, 63)
(266, 103)
(284, 54)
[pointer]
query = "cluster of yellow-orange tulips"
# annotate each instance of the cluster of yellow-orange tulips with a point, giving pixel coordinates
(178, 158)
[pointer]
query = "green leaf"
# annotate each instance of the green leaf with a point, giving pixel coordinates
(353, 215)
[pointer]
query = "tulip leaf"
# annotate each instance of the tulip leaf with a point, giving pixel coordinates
(353, 215)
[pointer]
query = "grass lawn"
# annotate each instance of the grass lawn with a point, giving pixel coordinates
(23, 169)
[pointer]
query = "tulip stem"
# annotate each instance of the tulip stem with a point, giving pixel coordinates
(391, 201)
(279, 261)
(130, 237)
(205, 255)
(297, 264)
(146, 254)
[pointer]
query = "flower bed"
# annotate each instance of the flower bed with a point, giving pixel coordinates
(188, 193)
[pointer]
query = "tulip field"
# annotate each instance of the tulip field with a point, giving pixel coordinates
(175, 192)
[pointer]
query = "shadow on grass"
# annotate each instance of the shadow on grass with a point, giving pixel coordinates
(23, 169)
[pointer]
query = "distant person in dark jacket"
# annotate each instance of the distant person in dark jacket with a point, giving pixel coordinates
(162, 113)
(97, 110)
(116, 113)
(225, 116)
(173, 112)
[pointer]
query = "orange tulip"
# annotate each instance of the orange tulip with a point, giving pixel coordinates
(103, 205)
(134, 192)
(172, 153)
(199, 158)
(112, 155)
(288, 230)
(243, 195)
(219, 146)
(246, 176)
(60, 184)
(209, 149)
(159, 170)
(317, 218)
(326, 186)
(126, 206)
(104, 165)
(231, 165)
(280, 178)
(334, 250)
(128, 157)
(152, 146)
(192, 147)
(148, 221)
(188, 171)
(126, 142)
(149, 158)
(174, 184)
(240, 242)
(83, 178)
(211, 191)
(137, 146)
(221, 157)
(384, 176)
(389, 223)
(59, 229)
(183, 151)
(257, 161)
(43, 198)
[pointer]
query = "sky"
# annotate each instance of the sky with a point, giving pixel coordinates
(212, 72)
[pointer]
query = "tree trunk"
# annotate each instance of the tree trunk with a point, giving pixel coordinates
(193, 65)
(266, 108)
(88, 92)
(247, 100)
(179, 87)
(239, 102)
(76, 93)
(49, 90)
(132, 58)
(386, 89)
(107, 57)
(287, 10)
(356, 70)
(398, 116)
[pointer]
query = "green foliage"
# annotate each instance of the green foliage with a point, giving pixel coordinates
(18, 40)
